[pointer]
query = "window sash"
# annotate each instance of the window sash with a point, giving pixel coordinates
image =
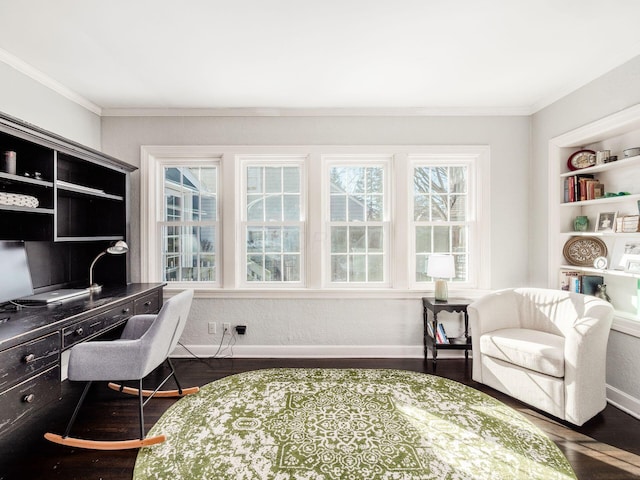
(442, 216)
(272, 226)
(357, 219)
(188, 223)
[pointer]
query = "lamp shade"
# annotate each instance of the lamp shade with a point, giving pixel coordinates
(119, 248)
(441, 266)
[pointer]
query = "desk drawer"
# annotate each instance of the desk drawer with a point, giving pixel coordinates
(19, 362)
(26, 397)
(95, 325)
(148, 304)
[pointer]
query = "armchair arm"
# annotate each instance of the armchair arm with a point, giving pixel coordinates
(492, 312)
(585, 365)
(108, 360)
(137, 326)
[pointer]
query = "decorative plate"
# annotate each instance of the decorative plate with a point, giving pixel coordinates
(580, 159)
(582, 251)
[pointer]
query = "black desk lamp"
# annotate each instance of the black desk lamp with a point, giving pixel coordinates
(119, 248)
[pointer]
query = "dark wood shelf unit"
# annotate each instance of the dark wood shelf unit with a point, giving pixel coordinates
(83, 198)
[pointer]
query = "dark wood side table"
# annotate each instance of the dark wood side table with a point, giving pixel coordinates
(430, 304)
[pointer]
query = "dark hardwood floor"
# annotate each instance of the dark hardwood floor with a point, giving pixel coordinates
(607, 447)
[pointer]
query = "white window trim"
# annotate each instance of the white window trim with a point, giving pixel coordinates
(401, 275)
(477, 161)
(153, 162)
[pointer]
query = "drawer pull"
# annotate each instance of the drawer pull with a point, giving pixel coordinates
(29, 398)
(125, 310)
(147, 303)
(29, 358)
(79, 331)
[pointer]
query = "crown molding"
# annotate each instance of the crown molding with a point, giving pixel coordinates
(317, 112)
(47, 81)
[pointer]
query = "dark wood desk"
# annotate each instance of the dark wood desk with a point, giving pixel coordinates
(429, 304)
(32, 339)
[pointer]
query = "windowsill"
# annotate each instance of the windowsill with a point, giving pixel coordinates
(627, 324)
(325, 293)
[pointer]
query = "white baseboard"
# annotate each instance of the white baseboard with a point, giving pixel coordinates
(623, 401)
(311, 351)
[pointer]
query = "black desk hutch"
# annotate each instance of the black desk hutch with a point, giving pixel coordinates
(82, 208)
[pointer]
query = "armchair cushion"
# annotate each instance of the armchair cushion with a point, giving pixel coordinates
(538, 351)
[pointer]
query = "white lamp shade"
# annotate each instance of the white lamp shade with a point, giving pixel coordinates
(441, 266)
(120, 247)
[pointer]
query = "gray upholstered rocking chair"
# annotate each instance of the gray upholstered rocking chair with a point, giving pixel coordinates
(145, 343)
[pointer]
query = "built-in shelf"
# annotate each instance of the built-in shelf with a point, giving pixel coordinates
(601, 234)
(625, 162)
(614, 273)
(616, 199)
(615, 133)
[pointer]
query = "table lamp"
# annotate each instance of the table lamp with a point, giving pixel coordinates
(119, 248)
(439, 268)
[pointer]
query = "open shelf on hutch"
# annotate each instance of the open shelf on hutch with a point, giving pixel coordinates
(81, 196)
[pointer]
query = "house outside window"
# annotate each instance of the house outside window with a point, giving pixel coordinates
(189, 224)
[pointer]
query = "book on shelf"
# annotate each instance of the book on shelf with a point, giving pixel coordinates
(582, 187)
(590, 283)
(568, 280)
(442, 334)
(627, 223)
(573, 281)
(430, 330)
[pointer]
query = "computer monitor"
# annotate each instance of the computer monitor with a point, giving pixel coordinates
(15, 277)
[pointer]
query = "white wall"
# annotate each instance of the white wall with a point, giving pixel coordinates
(610, 93)
(390, 326)
(25, 99)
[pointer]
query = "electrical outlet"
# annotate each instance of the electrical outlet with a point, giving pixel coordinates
(226, 327)
(212, 328)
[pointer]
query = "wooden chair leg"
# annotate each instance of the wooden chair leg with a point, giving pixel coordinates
(179, 392)
(69, 441)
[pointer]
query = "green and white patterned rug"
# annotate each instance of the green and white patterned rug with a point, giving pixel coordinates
(329, 424)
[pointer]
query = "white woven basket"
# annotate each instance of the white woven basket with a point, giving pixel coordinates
(18, 199)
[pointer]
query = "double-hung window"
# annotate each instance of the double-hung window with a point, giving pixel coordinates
(357, 219)
(314, 217)
(272, 223)
(443, 214)
(189, 226)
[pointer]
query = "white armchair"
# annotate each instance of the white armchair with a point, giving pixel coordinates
(544, 347)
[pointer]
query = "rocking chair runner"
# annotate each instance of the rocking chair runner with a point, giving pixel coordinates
(145, 343)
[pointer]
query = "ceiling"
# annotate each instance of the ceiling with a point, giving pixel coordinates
(512, 56)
